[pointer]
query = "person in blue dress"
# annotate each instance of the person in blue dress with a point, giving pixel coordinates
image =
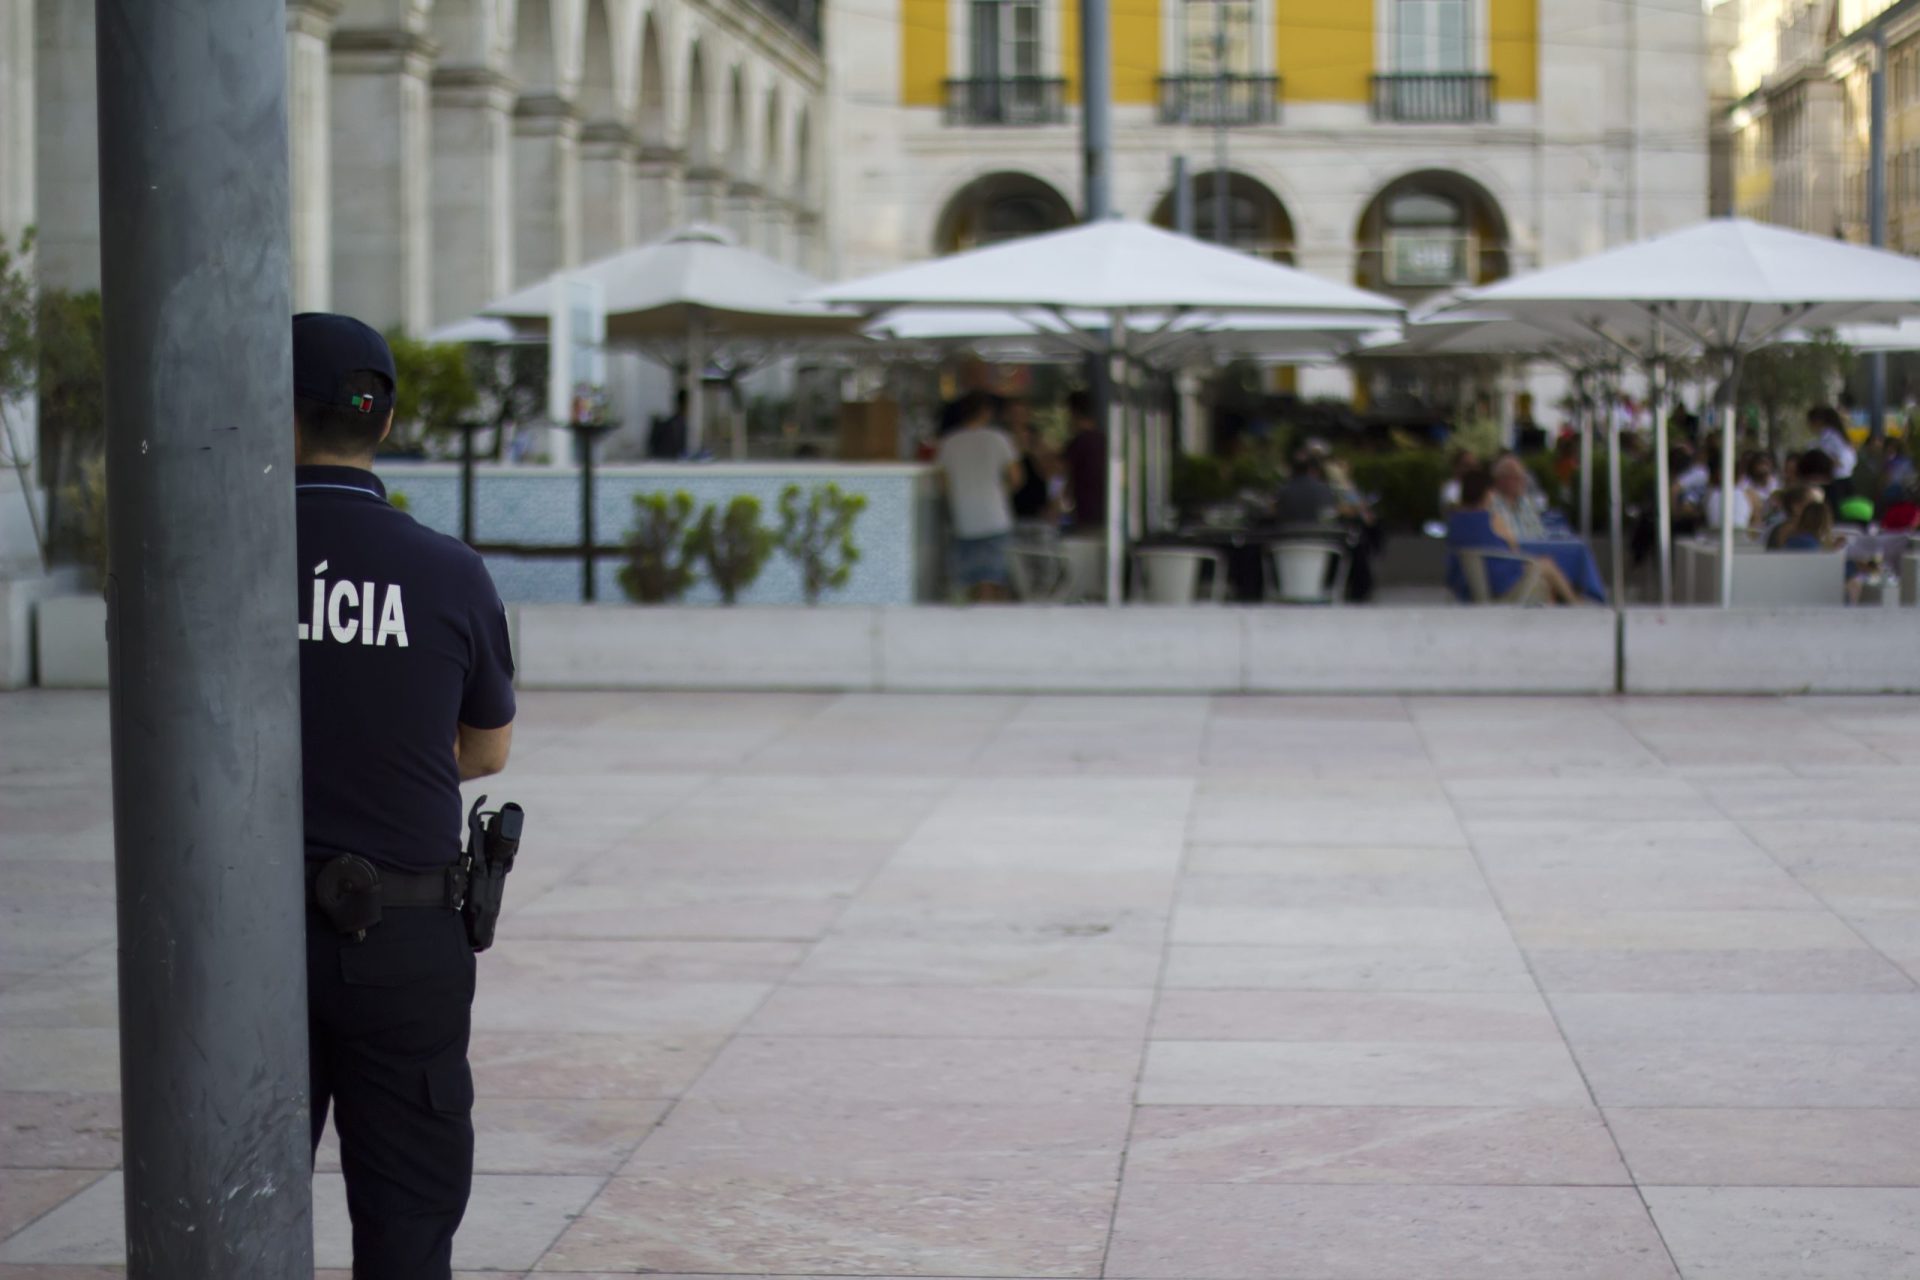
(1476, 526)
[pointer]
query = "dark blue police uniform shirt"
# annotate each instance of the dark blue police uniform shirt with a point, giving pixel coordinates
(402, 638)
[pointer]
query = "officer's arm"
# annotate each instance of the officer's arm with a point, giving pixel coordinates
(482, 752)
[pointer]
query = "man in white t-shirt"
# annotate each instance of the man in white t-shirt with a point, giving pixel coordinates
(980, 466)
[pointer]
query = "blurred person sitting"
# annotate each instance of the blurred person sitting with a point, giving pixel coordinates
(1032, 498)
(1305, 497)
(1513, 499)
(1811, 530)
(1718, 504)
(1463, 462)
(1783, 510)
(1479, 525)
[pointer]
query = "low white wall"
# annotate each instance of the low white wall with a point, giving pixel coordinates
(1865, 650)
(70, 633)
(1070, 649)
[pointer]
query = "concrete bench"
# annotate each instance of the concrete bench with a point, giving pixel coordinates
(1761, 578)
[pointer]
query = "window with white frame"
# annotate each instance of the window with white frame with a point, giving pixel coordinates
(1005, 39)
(1432, 37)
(1217, 37)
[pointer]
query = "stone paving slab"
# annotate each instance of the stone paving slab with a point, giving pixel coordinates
(1175, 988)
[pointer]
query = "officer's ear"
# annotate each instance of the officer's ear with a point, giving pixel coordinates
(386, 428)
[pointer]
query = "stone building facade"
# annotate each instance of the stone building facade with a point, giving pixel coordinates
(445, 152)
(1408, 146)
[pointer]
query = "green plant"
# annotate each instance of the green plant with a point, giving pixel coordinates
(86, 504)
(659, 564)
(816, 532)
(435, 390)
(1199, 479)
(1405, 485)
(1784, 382)
(19, 361)
(397, 499)
(734, 546)
(71, 379)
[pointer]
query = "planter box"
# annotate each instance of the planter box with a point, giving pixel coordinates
(70, 633)
(1864, 650)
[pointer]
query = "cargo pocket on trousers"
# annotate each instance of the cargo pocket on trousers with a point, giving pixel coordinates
(450, 1086)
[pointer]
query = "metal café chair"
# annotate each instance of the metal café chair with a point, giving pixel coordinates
(1309, 568)
(1042, 573)
(1530, 589)
(1170, 575)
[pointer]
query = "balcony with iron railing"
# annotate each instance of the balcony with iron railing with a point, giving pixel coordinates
(1006, 101)
(1219, 100)
(1433, 98)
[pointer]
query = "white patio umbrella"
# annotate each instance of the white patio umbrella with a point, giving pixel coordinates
(1031, 334)
(1870, 338)
(680, 296)
(483, 329)
(1134, 282)
(1723, 288)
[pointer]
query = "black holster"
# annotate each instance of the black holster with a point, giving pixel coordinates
(493, 841)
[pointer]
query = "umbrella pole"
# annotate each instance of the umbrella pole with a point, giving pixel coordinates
(1616, 516)
(1116, 459)
(1730, 421)
(1663, 481)
(1584, 416)
(696, 402)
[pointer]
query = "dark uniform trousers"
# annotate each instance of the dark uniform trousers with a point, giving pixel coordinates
(388, 1020)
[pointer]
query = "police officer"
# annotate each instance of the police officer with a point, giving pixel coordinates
(405, 691)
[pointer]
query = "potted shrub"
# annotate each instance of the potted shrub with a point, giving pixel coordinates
(659, 564)
(816, 532)
(734, 545)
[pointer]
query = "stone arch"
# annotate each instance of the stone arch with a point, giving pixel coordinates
(739, 142)
(1000, 206)
(699, 110)
(803, 159)
(469, 32)
(535, 57)
(773, 148)
(653, 119)
(1257, 221)
(1430, 230)
(599, 90)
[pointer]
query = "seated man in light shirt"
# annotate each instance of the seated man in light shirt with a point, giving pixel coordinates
(1513, 500)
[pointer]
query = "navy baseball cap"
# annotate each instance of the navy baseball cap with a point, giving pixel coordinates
(328, 349)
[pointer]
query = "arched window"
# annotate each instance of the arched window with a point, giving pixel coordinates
(1256, 221)
(1431, 231)
(998, 207)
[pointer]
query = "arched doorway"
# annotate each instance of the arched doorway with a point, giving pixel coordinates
(999, 207)
(534, 64)
(1256, 221)
(1430, 231)
(597, 95)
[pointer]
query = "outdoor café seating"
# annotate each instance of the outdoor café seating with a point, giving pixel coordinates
(1167, 575)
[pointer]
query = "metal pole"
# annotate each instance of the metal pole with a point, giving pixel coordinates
(696, 376)
(1096, 109)
(585, 436)
(1616, 517)
(1584, 414)
(1877, 217)
(1222, 224)
(1730, 424)
(466, 481)
(1663, 478)
(1182, 197)
(1116, 459)
(204, 664)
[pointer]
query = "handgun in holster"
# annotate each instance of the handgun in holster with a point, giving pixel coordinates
(493, 841)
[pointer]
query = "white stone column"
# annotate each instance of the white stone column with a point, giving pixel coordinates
(705, 193)
(607, 221)
(66, 152)
(382, 251)
(738, 212)
(807, 243)
(16, 117)
(471, 201)
(309, 132)
(546, 188)
(774, 222)
(658, 195)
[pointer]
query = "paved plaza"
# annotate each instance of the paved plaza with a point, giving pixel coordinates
(1235, 988)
